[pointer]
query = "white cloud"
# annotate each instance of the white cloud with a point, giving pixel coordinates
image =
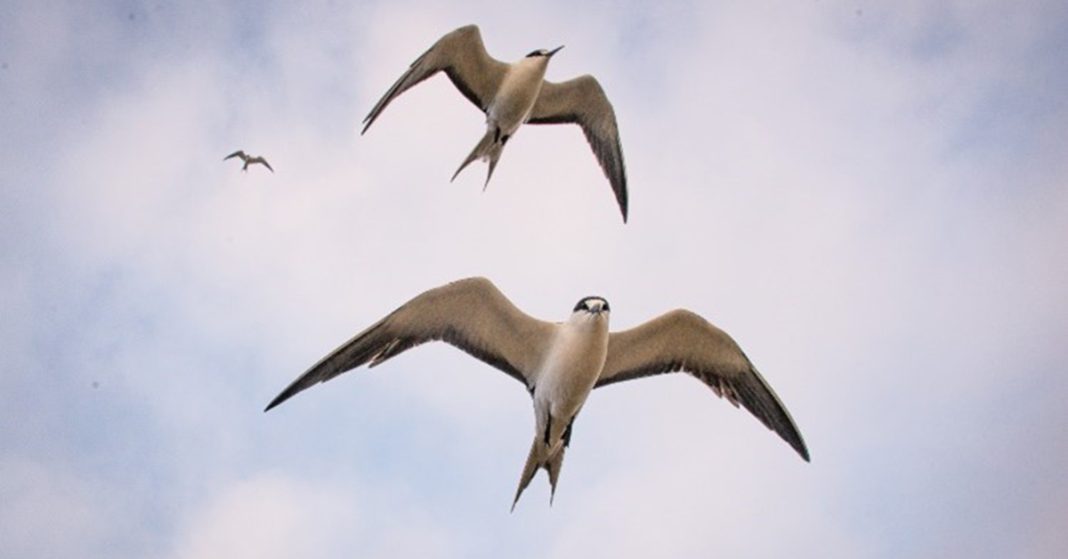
(52, 511)
(270, 515)
(828, 186)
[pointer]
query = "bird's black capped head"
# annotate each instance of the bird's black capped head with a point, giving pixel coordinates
(592, 304)
(545, 53)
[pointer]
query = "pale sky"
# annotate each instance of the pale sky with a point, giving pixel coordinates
(871, 199)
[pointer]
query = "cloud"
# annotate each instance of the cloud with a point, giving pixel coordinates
(871, 203)
(50, 510)
(269, 515)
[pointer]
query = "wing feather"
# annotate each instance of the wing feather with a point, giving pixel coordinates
(264, 162)
(463, 57)
(582, 101)
(471, 314)
(683, 341)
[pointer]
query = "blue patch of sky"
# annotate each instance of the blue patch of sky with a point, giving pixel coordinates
(63, 408)
(942, 453)
(646, 36)
(1003, 121)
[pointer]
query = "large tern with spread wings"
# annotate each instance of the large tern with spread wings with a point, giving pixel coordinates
(559, 363)
(513, 94)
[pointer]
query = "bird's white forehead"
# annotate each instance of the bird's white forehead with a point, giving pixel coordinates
(586, 301)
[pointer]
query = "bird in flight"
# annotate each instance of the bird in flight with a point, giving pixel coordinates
(249, 160)
(513, 94)
(559, 363)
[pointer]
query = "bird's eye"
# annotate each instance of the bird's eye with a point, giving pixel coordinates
(534, 53)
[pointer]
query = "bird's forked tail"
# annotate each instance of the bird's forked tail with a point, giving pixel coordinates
(488, 148)
(540, 456)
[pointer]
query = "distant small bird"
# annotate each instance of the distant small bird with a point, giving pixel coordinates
(559, 363)
(249, 160)
(513, 94)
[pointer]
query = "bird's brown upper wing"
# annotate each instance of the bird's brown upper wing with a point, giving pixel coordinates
(683, 341)
(463, 57)
(471, 314)
(582, 101)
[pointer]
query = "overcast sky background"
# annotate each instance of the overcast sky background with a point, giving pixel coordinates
(871, 199)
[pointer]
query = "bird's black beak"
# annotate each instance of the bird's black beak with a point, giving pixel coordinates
(554, 51)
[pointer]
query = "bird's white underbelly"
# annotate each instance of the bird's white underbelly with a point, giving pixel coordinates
(570, 371)
(515, 99)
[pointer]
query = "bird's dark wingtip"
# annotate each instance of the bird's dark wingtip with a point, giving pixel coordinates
(367, 122)
(278, 400)
(621, 199)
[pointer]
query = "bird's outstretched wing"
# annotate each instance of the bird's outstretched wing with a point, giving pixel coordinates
(238, 153)
(264, 162)
(464, 59)
(471, 314)
(582, 101)
(683, 341)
